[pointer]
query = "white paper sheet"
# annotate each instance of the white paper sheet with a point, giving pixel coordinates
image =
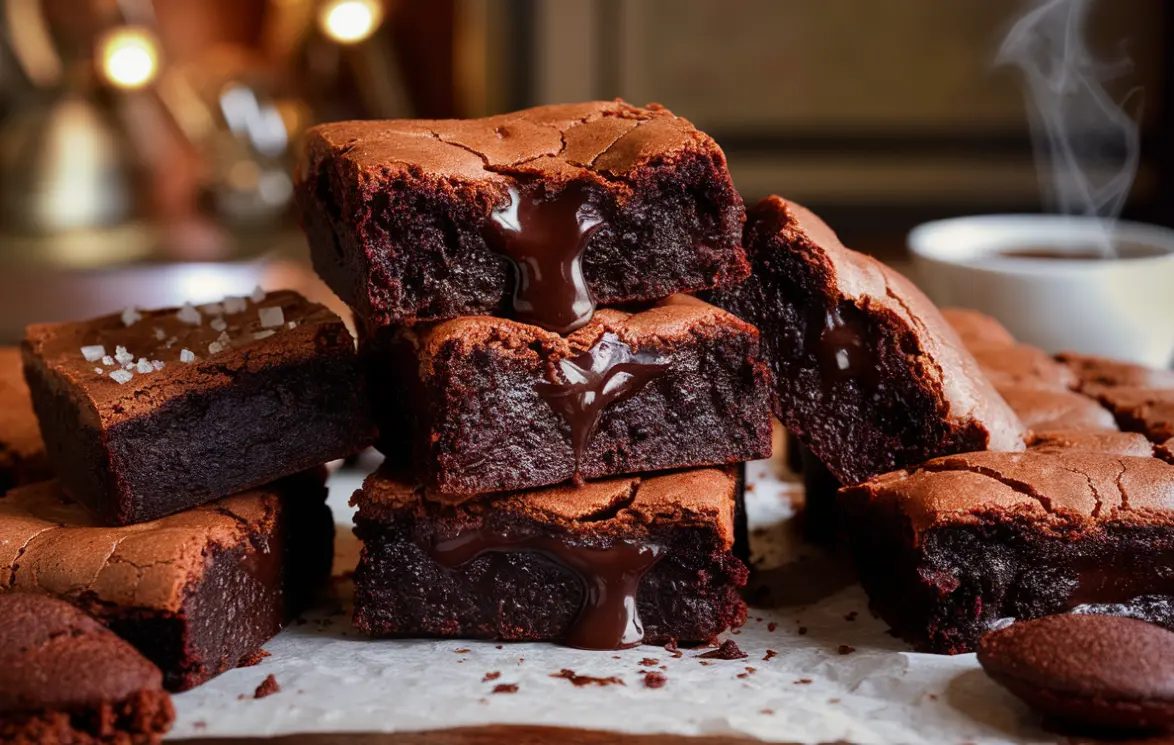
(814, 690)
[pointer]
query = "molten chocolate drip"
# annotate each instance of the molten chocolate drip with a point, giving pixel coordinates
(544, 239)
(597, 378)
(611, 578)
(843, 350)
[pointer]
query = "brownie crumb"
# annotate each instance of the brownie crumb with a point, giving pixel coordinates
(727, 651)
(769, 712)
(461, 651)
(583, 680)
(705, 662)
(491, 676)
(803, 682)
(653, 679)
(199, 725)
(505, 688)
(845, 649)
(851, 616)
(673, 649)
(771, 626)
(268, 687)
(758, 619)
(802, 630)
(833, 700)
(932, 696)
(498, 646)
(649, 662)
(770, 654)
(253, 658)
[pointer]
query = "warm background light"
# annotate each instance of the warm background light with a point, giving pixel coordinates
(128, 57)
(350, 21)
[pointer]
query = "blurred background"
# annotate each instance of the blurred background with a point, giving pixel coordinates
(147, 148)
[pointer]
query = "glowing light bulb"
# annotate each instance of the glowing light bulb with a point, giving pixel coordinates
(128, 57)
(350, 21)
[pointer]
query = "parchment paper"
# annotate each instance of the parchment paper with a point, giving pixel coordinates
(836, 674)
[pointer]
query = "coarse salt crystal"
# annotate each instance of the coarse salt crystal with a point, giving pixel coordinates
(224, 338)
(212, 309)
(122, 355)
(99, 370)
(234, 305)
(218, 324)
(291, 325)
(94, 353)
(157, 364)
(186, 355)
(263, 334)
(258, 294)
(189, 315)
(108, 360)
(121, 376)
(271, 317)
(160, 335)
(143, 366)
(215, 348)
(130, 316)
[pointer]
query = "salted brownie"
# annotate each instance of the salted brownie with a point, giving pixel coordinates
(977, 330)
(22, 453)
(64, 678)
(147, 413)
(539, 214)
(1095, 372)
(491, 404)
(607, 565)
(195, 592)
(867, 373)
(1050, 409)
(952, 549)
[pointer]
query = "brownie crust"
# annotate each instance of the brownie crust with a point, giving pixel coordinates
(22, 452)
(398, 213)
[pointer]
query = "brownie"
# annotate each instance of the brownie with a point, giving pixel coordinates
(22, 453)
(1049, 409)
(1149, 411)
(490, 404)
(148, 413)
(1096, 372)
(1023, 365)
(606, 565)
(64, 678)
(819, 518)
(867, 373)
(1092, 440)
(1086, 670)
(977, 330)
(195, 592)
(539, 214)
(950, 550)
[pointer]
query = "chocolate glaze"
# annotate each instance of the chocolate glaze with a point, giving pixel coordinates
(611, 577)
(597, 378)
(843, 351)
(544, 239)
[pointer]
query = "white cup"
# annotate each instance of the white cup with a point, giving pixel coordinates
(1122, 307)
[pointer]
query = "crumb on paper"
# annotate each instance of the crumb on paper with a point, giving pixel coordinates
(505, 688)
(649, 662)
(768, 712)
(727, 651)
(672, 648)
(802, 630)
(253, 658)
(770, 654)
(845, 649)
(582, 680)
(462, 650)
(653, 679)
(771, 626)
(803, 682)
(268, 687)
(491, 676)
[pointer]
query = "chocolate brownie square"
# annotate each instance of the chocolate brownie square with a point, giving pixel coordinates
(560, 207)
(1023, 365)
(1050, 409)
(151, 412)
(956, 547)
(22, 452)
(64, 678)
(1149, 411)
(195, 592)
(490, 404)
(1095, 441)
(977, 330)
(867, 373)
(1094, 372)
(607, 565)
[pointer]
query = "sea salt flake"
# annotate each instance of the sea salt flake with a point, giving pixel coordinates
(291, 325)
(258, 294)
(215, 348)
(157, 364)
(121, 376)
(186, 355)
(130, 316)
(99, 370)
(218, 324)
(143, 366)
(122, 355)
(189, 315)
(234, 305)
(263, 334)
(160, 335)
(212, 309)
(271, 317)
(94, 353)
(108, 361)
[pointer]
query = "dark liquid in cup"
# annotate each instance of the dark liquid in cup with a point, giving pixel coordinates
(1084, 253)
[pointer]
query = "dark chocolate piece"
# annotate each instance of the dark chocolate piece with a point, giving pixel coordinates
(487, 404)
(22, 452)
(1086, 670)
(195, 592)
(66, 679)
(603, 566)
(415, 220)
(867, 373)
(181, 407)
(948, 551)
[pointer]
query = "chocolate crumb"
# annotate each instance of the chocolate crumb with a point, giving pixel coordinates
(751, 670)
(199, 725)
(505, 688)
(616, 657)
(770, 653)
(833, 700)
(583, 680)
(802, 630)
(932, 696)
(491, 676)
(758, 619)
(498, 646)
(767, 711)
(845, 649)
(851, 616)
(705, 662)
(653, 679)
(771, 626)
(253, 658)
(727, 651)
(803, 682)
(673, 649)
(649, 662)
(750, 487)
(461, 651)
(268, 687)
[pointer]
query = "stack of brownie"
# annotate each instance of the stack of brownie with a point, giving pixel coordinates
(188, 513)
(562, 426)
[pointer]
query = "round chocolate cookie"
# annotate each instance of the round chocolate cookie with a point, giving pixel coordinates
(66, 678)
(1097, 671)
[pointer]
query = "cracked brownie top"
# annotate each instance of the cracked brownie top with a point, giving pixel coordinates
(56, 546)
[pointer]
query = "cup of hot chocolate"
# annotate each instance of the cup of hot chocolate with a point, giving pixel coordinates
(1058, 282)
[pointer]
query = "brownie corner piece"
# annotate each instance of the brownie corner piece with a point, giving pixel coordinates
(148, 413)
(867, 372)
(951, 549)
(658, 550)
(489, 404)
(402, 216)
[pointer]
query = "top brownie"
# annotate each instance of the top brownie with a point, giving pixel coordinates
(561, 207)
(868, 374)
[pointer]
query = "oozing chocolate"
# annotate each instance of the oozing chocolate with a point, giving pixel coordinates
(544, 239)
(610, 576)
(605, 373)
(843, 351)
